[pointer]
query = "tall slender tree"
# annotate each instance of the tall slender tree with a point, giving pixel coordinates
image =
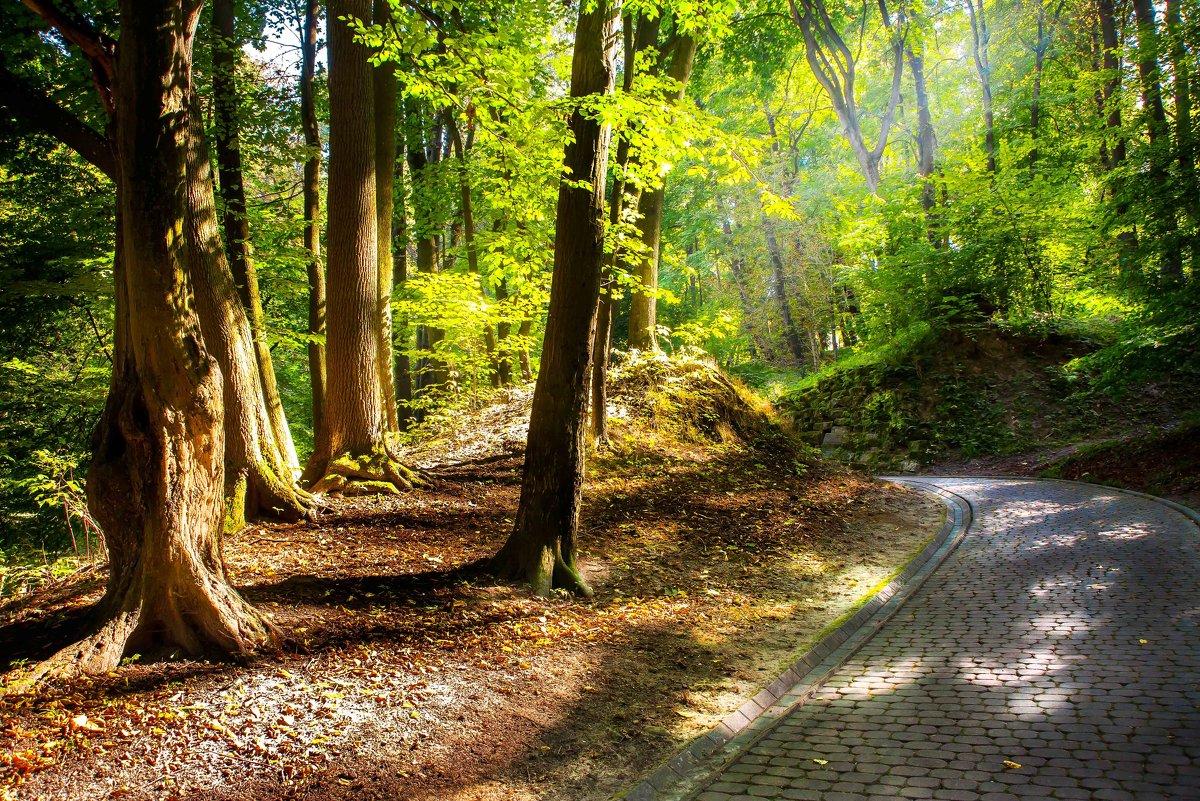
(312, 208)
(643, 306)
(542, 547)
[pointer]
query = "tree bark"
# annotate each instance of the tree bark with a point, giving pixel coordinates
(542, 547)
(524, 330)
(236, 223)
(981, 37)
(258, 475)
(1163, 211)
(312, 211)
(634, 42)
(156, 478)
(1185, 145)
(402, 375)
(424, 143)
(791, 333)
(350, 452)
(384, 85)
(834, 66)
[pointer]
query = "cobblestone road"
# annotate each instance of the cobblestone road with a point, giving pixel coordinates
(1056, 654)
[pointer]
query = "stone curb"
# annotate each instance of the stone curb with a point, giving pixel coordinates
(687, 772)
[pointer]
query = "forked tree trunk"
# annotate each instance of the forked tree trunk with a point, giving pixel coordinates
(236, 223)
(542, 547)
(155, 482)
(350, 452)
(258, 475)
(981, 39)
(312, 211)
(385, 172)
(643, 310)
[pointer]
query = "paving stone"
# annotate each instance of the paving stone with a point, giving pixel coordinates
(1057, 636)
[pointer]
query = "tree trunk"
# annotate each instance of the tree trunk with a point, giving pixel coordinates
(542, 547)
(155, 482)
(402, 375)
(468, 226)
(350, 452)
(503, 329)
(236, 222)
(424, 145)
(981, 38)
(384, 85)
(926, 141)
(643, 311)
(1171, 266)
(645, 36)
(259, 480)
(312, 212)
(791, 334)
(1185, 146)
(523, 331)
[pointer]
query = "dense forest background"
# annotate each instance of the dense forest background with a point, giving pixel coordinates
(794, 188)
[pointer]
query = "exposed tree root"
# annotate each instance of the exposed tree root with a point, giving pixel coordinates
(195, 612)
(377, 473)
(544, 569)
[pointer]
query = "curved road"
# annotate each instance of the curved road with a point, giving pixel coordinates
(1055, 654)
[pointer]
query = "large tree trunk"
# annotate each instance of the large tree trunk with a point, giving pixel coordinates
(385, 172)
(155, 482)
(542, 547)
(350, 452)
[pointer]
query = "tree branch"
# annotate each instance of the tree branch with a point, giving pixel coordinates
(41, 112)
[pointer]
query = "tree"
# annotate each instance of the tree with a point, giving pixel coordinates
(542, 547)
(642, 321)
(351, 451)
(312, 209)
(835, 67)
(981, 38)
(226, 49)
(155, 483)
(258, 471)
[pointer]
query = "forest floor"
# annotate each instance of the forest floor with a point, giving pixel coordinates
(718, 550)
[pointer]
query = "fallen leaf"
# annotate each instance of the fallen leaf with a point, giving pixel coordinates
(1008, 763)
